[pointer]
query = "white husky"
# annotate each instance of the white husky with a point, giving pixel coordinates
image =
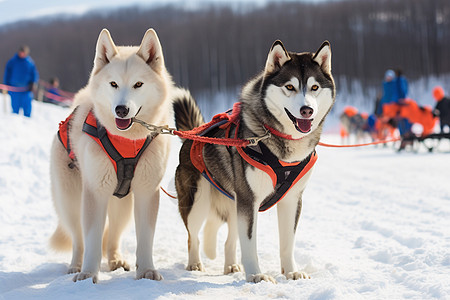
(91, 186)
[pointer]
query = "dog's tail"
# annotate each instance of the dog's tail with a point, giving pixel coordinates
(60, 240)
(187, 112)
(212, 225)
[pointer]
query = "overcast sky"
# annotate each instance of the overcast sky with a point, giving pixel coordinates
(16, 10)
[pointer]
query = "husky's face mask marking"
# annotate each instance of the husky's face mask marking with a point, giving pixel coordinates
(299, 88)
(299, 102)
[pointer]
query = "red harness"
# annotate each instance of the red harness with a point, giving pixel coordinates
(123, 153)
(284, 175)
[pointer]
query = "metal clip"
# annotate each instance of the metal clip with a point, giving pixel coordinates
(166, 130)
(253, 141)
(154, 128)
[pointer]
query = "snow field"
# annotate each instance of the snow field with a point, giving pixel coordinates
(374, 225)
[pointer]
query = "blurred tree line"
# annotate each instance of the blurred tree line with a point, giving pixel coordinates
(217, 48)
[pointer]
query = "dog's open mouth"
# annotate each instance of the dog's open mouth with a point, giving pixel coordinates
(302, 125)
(123, 124)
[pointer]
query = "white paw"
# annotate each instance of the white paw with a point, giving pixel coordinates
(118, 263)
(196, 267)
(260, 277)
(73, 270)
(149, 274)
(297, 275)
(234, 268)
(86, 275)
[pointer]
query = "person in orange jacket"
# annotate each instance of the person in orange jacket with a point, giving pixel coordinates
(422, 115)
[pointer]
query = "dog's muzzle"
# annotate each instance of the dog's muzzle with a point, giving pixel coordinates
(121, 122)
(302, 125)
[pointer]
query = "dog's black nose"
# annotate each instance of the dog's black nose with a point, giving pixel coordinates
(306, 111)
(122, 111)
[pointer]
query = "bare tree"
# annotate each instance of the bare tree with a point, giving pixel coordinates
(218, 48)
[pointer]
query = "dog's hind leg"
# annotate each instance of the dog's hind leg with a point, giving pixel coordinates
(60, 240)
(66, 195)
(77, 251)
(195, 219)
(231, 265)
(73, 222)
(211, 227)
(288, 211)
(119, 214)
(94, 208)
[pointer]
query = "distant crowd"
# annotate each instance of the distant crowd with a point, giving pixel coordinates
(21, 81)
(395, 114)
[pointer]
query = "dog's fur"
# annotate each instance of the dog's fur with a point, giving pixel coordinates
(83, 196)
(289, 81)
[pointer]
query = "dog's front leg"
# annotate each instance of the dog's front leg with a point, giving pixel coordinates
(93, 213)
(247, 215)
(145, 214)
(288, 211)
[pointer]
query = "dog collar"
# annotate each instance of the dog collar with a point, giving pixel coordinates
(280, 134)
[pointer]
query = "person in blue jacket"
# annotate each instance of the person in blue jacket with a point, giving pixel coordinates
(402, 85)
(390, 93)
(404, 125)
(21, 73)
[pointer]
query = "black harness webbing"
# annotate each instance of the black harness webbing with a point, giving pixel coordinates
(285, 175)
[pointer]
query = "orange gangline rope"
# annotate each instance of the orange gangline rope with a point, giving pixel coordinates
(359, 145)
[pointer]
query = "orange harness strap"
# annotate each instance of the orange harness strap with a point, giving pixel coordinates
(123, 153)
(63, 135)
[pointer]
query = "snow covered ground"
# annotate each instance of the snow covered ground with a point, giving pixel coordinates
(375, 225)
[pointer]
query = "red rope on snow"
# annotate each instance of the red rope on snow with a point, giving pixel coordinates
(165, 192)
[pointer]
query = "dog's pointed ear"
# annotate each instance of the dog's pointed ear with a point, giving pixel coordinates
(151, 51)
(323, 57)
(277, 57)
(105, 50)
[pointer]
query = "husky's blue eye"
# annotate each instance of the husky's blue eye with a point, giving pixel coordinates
(138, 85)
(290, 87)
(114, 84)
(315, 87)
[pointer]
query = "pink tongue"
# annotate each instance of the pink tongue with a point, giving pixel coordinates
(123, 123)
(304, 125)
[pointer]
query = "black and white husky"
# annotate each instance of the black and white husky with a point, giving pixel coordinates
(286, 104)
